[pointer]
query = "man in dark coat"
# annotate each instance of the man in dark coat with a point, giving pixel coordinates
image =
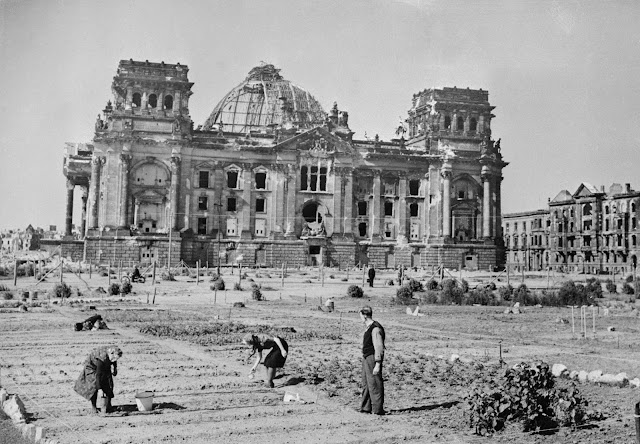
(372, 357)
(372, 275)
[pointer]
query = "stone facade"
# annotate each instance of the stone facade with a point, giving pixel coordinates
(591, 231)
(270, 177)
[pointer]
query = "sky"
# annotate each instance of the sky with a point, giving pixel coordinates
(564, 77)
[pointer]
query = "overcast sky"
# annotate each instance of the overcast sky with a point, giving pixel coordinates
(564, 77)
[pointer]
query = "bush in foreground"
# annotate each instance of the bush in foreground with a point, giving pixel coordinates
(354, 291)
(61, 290)
(404, 295)
(114, 289)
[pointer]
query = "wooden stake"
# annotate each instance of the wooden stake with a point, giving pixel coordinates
(61, 269)
(15, 274)
(197, 272)
(153, 277)
(636, 417)
(154, 295)
(573, 323)
(109, 273)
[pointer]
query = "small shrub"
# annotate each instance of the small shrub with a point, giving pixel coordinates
(214, 276)
(464, 285)
(593, 288)
(404, 295)
(611, 287)
(104, 273)
(522, 294)
(7, 295)
(389, 282)
(237, 286)
(331, 276)
(451, 293)
(629, 278)
(354, 291)
(61, 290)
(432, 284)
(126, 288)
(491, 286)
(114, 289)
(415, 285)
(4, 288)
(344, 280)
(256, 294)
(431, 297)
(218, 284)
(627, 289)
(167, 276)
(506, 292)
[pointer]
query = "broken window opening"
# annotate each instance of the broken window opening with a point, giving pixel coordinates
(460, 124)
(203, 179)
(137, 100)
(414, 187)
(261, 181)
(304, 180)
(447, 122)
(153, 101)
(388, 208)
(413, 209)
(203, 203)
(202, 225)
(260, 205)
(314, 178)
(362, 208)
(362, 229)
(232, 179)
(323, 179)
(473, 124)
(168, 102)
(231, 204)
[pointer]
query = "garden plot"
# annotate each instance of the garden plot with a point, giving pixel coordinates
(186, 349)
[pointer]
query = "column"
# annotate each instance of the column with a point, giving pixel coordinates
(498, 207)
(176, 102)
(376, 207)
(85, 195)
(125, 160)
(187, 208)
(348, 203)
(129, 99)
(94, 190)
(246, 231)
(136, 212)
(401, 213)
(486, 203)
(338, 184)
(279, 184)
(446, 200)
(175, 179)
(69, 218)
(291, 201)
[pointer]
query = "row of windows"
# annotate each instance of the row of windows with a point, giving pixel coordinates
(473, 123)
(613, 241)
(204, 179)
(232, 204)
(152, 101)
(362, 207)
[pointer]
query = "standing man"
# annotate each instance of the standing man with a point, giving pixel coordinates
(372, 357)
(372, 275)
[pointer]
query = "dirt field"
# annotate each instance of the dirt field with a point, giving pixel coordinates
(203, 394)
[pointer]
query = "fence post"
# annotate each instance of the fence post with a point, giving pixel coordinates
(61, 269)
(15, 274)
(153, 278)
(197, 272)
(636, 417)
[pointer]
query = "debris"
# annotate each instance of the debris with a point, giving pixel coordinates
(560, 371)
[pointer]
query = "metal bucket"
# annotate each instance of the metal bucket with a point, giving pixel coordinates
(144, 401)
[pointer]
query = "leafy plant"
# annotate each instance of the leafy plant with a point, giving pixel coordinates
(506, 292)
(237, 286)
(61, 290)
(354, 291)
(627, 289)
(114, 289)
(611, 287)
(7, 295)
(126, 288)
(404, 295)
(415, 285)
(218, 284)
(432, 284)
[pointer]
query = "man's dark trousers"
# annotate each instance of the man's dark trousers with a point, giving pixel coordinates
(372, 387)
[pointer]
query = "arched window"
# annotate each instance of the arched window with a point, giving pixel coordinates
(153, 101)
(473, 124)
(447, 122)
(459, 124)
(633, 240)
(571, 213)
(606, 209)
(586, 209)
(413, 209)
(137, 99)
(168, 102)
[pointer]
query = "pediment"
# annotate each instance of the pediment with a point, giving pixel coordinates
(585, 190)
(562, 196)
(318, 142)
(149, 196)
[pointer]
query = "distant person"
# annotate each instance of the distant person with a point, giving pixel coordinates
(372, 275)
(329, 304)
(372, 357)
(275, 358)
(136, 274)
(97, 375)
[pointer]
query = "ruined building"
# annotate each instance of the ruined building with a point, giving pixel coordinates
(590, 231)
(271, 177)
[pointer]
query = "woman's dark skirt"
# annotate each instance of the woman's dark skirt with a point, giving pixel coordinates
(275, 359)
